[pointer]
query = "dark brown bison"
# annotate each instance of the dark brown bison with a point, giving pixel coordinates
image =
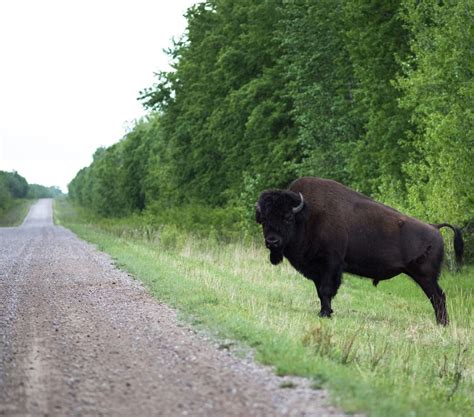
(324, 229)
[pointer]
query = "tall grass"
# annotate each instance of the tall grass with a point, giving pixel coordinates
(15, 214)
(381, 353)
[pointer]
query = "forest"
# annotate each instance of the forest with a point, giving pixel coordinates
(375, 94)
(13, 186)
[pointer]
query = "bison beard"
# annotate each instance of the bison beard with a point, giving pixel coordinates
(276, 256)
(324, 229)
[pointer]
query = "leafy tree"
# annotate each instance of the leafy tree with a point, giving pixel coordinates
(438, 91)
(224, 115)
(377, 39)
(135, 154)
(321, 82)
(17, 185)
(77, 189)
(40, 191)
(5, 195)
(14, 186)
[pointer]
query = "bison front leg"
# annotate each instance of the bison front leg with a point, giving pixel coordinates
(327, 283)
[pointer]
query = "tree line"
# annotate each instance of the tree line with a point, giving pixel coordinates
(375, 94)
(14, 186)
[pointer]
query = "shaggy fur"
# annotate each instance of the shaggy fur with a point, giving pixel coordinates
(340, 230)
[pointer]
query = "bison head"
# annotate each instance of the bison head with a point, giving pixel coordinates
(279, 213)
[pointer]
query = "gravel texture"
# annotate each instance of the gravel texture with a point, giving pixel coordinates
(78, 337)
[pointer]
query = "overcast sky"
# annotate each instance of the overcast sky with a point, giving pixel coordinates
(70, 73)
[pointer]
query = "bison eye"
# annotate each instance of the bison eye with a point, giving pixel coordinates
(288, 219)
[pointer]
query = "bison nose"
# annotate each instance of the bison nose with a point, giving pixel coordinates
(272, 242)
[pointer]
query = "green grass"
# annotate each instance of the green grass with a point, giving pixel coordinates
(381, 354)
(15, 215)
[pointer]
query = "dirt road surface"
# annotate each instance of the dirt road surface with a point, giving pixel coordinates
(78, 337)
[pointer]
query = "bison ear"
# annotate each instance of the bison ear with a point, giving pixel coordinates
(258, 213)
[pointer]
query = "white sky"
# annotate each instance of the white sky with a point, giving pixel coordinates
(70, 73)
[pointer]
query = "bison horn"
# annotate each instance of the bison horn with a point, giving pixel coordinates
(299, 207)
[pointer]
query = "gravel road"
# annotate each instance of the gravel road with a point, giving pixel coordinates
(78, 337)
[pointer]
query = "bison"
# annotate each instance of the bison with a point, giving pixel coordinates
(324, 229)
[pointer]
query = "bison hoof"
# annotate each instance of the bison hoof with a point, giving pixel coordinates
(325, 313)
(443, 321)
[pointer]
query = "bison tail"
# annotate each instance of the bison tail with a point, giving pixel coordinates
(458, 242)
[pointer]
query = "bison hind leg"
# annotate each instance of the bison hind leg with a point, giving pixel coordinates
(425, 270)
(437, 297)
(429, 284)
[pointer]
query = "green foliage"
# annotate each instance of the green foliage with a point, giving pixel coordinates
(16, 185)
(321, 82)
(36, 191)
(122, 177)
(15, 213)
(376, 94)
(5, 195)
(376, 41)
(14, 188)
(224, 114)
(438, 90)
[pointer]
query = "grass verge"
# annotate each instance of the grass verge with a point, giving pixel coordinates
(381, 354)
(15, 215)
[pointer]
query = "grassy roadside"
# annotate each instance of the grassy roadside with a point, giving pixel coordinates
(15, 215)
(381, 354)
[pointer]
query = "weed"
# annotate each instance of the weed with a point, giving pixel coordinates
(376, 353)
(318, 381)
(319, 339)
(458, 366)
(347, 348)
(288, 384)
(15, 215)
(169, 237)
